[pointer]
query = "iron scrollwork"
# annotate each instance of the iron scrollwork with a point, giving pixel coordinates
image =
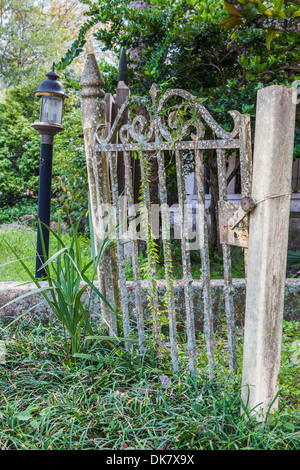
(163, 127)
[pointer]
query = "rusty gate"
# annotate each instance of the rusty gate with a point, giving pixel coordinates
(175, 121)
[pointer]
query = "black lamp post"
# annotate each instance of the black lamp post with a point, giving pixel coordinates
(52, 98)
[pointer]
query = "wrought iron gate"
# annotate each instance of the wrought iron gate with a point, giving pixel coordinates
(176, 121)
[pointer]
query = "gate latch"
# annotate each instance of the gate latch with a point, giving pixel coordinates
(234, 221)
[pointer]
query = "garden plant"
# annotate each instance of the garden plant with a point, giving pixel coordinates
(65, 382)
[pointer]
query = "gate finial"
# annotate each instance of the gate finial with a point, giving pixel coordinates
(92, 95)
(91, 80)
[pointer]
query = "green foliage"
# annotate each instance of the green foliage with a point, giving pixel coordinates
(23, 240)
(67, 281)
(70, 184)
(250, 11)
(15, 213)
(274, 9)
(19, 143)
(293, 258)
(148, 264)
(114, 399)
(182, 46)
(28, 40)
(290, 360)
(20, 153)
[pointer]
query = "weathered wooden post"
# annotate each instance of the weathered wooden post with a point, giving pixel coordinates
(268, 241)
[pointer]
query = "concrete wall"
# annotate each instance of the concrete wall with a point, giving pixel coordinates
(9, 291)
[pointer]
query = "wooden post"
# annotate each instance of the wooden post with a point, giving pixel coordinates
(267, 253)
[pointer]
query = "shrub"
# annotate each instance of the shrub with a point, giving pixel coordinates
(70, 184)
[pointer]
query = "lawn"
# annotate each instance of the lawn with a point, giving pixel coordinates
(23, 240)
(113, 399)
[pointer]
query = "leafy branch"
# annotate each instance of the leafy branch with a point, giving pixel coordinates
(275, 19)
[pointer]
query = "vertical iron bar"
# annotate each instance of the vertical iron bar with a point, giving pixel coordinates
(186, 263)
(230, 317)
(112, 157)
(205, 264)
(135, 252)
(152, 284)
(169, 296)
(105, 268)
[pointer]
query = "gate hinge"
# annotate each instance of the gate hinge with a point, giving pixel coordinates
(234, 221)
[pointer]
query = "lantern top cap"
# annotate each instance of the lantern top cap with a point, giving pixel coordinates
(51, 85)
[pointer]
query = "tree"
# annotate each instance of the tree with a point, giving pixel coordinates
(276, 15)
(19, 143)
(28, 40)
(31, 37)
(182, 45)
(70, 16)
(36, 33)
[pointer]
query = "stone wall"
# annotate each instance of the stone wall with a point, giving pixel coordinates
(35, 303)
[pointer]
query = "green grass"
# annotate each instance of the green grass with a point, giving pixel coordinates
(117, 400)
(216, 264)
(23, 240)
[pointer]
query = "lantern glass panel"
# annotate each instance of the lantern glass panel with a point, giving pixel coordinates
(51, 109)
